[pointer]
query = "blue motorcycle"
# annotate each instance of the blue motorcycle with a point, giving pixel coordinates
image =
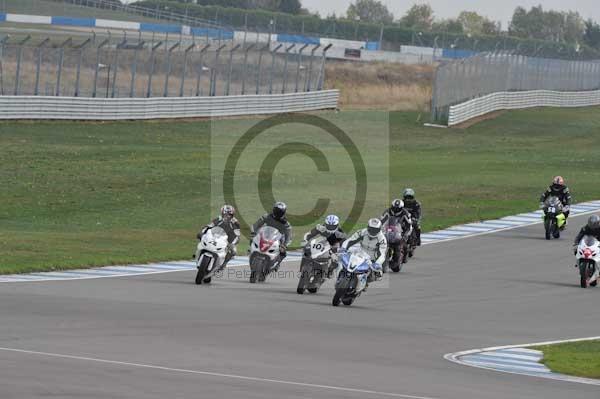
(353, 278)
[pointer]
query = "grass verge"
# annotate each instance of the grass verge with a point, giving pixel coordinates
(89, 194)
(580, 359)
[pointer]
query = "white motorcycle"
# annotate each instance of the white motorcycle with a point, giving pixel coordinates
(210, 254)
(588, 260)
(314, 268)
(264, 253)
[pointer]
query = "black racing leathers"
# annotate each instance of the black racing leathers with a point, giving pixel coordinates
(587, 231)
(414, 207)
(562, 192)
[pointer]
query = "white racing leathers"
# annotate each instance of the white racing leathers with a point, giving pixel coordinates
(376, 247)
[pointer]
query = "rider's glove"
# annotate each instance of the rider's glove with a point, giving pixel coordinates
(378, 275)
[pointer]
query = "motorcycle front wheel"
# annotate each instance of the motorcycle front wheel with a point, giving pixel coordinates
(339, 294)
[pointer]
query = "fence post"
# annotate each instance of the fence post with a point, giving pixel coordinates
(139, 47)
(61, 56)
(2, 43)
(230, 68)
(285, 67)
(152, 64)
(19, 58)
(168, 73)
(321, 80)
(95, 87)
(82, 47)
(260, 56)
(272, 72)
(299, 66)
(38, 65)
(184, 69)
(116, 67)
(310, 68)
(200, 69)
(215, 71)
(248, 48)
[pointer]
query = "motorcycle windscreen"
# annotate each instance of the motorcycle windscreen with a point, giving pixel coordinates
(590, 241)
(218, 233)
(269, 233)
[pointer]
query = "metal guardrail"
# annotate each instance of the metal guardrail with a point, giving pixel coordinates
(87, 108)
(520, 99)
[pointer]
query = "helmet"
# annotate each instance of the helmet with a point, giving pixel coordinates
(279, 210)
(558, 181)
(373, 227)
(332, 222)
(397, 206)
(227, 211)
(408, 193)
(594, 222)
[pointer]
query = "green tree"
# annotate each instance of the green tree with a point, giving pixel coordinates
(290, 6)
(448, 25)
(370, 11)
(476, 24)
(547, 25)
(591, 36)
(418, 17)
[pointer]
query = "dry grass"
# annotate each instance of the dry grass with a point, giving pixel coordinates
(383, 86)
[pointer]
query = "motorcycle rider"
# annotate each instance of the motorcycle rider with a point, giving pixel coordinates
(559, 189)
(331, 230)
(398, 214)
(231, 225)
(373, 242)
(592, 228)
(277, 220)
(414, 207)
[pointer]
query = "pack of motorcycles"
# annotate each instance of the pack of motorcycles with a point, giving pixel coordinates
(354, 266)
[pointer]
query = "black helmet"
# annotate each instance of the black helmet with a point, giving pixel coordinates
(397, 206)
(374, 227)
(279, 210)
(594, 222)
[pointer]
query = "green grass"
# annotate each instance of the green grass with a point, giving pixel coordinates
(85, 194)
(581, 359)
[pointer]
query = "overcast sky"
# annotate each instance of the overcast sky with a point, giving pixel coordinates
(501, 10)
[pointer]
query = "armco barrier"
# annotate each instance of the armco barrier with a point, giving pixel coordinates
(520, 99)
(84, 108)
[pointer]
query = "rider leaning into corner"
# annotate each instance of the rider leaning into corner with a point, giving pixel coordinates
(592, 228)
(373, 242)
(559, 189)
(414, 207)
(334, 234)
(277, 220)
(230, 224)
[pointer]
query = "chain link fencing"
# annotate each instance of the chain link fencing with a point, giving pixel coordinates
(122, 67)
(459, 81)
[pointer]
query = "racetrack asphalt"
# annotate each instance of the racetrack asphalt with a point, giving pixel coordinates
(161, 336)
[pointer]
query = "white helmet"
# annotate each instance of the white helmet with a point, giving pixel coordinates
(373, 227)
